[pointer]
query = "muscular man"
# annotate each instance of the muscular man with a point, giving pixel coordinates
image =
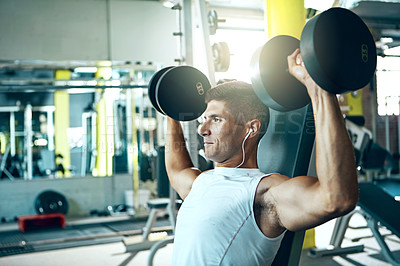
(237, 215)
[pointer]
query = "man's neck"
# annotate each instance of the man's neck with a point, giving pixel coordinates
(250, 162)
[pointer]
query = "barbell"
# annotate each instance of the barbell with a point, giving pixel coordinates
(337, 49)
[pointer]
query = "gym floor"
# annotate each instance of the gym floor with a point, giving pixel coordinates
(113, 253)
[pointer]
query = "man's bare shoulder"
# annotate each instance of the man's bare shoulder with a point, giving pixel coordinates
(270, 181)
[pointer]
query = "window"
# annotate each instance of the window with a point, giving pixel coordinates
(388, 85)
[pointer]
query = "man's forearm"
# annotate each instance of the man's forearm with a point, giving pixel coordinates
(335, 160)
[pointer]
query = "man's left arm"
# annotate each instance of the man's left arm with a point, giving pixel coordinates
(304, 202)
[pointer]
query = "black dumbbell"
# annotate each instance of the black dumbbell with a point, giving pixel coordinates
(179, 92)
(338, 52)
(271, 81)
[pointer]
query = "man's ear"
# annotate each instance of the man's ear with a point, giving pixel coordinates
(254, 126)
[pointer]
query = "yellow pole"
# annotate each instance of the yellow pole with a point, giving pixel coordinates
(61, 122)
(105, 125)
(284, 17)
(135, 151)
(3, 143)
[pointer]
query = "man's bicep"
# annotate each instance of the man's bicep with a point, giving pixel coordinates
(299, 203)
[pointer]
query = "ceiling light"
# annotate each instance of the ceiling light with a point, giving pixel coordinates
(168, 3)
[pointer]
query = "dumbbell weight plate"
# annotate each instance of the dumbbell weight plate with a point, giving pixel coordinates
(338, 51)
(51, 202)
(180, 93)
(212, 21)
(271, 81)
(152, 87)
(222, 56)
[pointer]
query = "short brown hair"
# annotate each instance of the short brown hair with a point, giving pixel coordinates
(242, 102)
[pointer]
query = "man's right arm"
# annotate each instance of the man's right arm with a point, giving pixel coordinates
(180, 168)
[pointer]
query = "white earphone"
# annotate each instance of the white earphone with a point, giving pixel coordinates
(248, 134)
(243, 153)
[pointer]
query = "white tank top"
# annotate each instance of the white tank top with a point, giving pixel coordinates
(216, 223)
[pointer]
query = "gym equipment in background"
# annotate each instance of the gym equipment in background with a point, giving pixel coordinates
(222, 56)
(50, 201)
(166, 202)
(359, 136)
(51, 207)
(212, 18)
(41, 221)
(372, 198)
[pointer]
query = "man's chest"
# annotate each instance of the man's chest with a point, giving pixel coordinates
(216, 202)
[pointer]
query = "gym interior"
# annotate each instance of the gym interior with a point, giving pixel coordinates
(82, 173)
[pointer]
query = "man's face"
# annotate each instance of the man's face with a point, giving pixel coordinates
(222, 137)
